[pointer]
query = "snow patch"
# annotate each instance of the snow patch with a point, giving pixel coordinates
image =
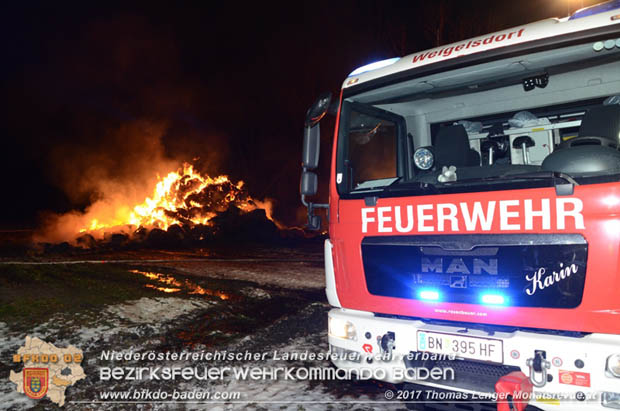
(156, 310)
(64, 329)
(256, 293)
(292, 275)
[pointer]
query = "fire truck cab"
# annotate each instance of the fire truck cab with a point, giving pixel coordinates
(474, 215)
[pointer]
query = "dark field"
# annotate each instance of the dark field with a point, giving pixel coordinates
(255, 299)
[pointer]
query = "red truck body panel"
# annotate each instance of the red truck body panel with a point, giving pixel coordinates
(599, 310)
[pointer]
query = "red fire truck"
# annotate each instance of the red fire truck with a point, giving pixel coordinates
(474, 215)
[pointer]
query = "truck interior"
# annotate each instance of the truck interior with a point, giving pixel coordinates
(553, 113)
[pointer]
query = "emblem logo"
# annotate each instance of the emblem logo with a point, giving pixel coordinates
(458, 281)
(35, 382)
(460, 265)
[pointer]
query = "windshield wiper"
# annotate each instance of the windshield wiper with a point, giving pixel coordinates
(403, 188)
(375, 185)
(536, 176)
(407, 188)
(560, 189)
(411, 185)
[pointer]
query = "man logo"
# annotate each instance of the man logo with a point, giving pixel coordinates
(458, 281)
(35, 382)
(460, 265)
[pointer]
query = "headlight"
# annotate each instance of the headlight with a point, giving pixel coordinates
(610, 400)
(423, 158)
(342, 329)
(613, 365)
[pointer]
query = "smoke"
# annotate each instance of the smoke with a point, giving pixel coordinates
(119, 111)
(123, 100)
(123, 169)
(111, 176)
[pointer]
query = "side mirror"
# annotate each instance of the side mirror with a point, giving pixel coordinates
(309, 183)
(318, 110)
(314, 222)
(312, 148)
(310, 158)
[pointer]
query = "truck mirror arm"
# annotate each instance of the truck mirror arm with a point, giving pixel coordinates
(314, 221)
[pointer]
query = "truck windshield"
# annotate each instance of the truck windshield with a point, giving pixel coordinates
(491, 126)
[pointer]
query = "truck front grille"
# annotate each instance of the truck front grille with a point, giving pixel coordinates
(520, 270)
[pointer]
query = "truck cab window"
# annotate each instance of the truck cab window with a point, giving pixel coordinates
(372, 150)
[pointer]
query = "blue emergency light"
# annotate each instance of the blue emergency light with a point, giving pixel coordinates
(493, 299)
(596, 9)
(429, 295)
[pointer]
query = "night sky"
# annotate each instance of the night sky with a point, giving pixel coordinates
(97, 92)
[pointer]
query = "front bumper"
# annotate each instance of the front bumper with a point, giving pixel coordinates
(576, 377)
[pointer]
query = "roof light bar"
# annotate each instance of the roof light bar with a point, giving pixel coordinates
(374, 66)
(596, 9)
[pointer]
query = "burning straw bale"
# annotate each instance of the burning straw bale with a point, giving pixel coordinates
(186, 209)
(229, 227)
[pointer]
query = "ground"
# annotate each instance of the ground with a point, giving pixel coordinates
(260, 300)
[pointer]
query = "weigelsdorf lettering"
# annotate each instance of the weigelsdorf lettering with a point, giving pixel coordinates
(510, 215)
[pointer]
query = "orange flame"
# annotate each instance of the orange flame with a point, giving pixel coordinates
(163, 289)
(183, 197)
(176, 285)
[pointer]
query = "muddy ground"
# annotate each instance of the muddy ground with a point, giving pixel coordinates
(258, 300)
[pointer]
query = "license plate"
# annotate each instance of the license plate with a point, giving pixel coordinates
(474, 348)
